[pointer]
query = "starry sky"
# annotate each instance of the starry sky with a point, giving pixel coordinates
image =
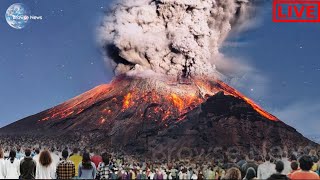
(56, 58)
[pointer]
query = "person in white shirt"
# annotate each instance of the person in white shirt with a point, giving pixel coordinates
(54, 156)
(45, 168)
(266, 169)
(287, 164)
(12, 166)
(2, 161)
(36, 157)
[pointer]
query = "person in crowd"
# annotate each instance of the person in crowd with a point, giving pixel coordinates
(87, 169)
(183, 174)
(210, 174)
(278, 175)
(54, 156)
(294, 167)
(66, 168)
(250, 163)
(45, 169)
(293, 158)
(12, 166)
(250, 174)
(36, 156)
(96, 158)
(76, 158)
(233, 174)
(306, 164)
(103, 167)
(28, 166)
(6, 153)
(2, 164)
(315, 159)
(19, 154)
(194, 175)
(287, 164)
(200, 175)
(241, 160)
(266, 169)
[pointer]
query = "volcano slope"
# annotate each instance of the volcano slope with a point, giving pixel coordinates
(144, 116)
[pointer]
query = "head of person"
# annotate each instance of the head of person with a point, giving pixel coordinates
(12, 155)
(75, 150)
(284, 154)
(65, 154)
(267, 157)
(279, 166)
(293, 157)
(86, 161)
(27, 152)
(18, 149)
(251, 157)
(251, 173)
(45, 158)
(258, 159)
(313, 152)
(37, 150)
(241, 157)
(52, 149)
(233, 174)
(105, 158)
(294, 165)
(306, 163)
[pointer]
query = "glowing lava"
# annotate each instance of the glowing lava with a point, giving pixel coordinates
(147, 99)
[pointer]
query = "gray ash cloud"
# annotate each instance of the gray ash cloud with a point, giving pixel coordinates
(169, 37)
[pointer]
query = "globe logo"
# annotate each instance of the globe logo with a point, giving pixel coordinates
(17, 15)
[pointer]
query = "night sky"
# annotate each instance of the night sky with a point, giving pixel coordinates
(57, 58)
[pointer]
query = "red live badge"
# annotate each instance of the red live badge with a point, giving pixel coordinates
(296, 11)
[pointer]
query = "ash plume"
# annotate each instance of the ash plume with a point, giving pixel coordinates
(169, 37)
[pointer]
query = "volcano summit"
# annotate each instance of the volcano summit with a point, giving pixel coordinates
(140, 115)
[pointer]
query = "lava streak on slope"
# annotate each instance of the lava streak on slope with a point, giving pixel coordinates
(229, 90)
(146, 99)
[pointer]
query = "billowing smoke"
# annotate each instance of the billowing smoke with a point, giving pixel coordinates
(169, 37)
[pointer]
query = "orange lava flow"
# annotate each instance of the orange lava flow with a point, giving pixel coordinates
(177, 101)
(127, 102)
(167, 105)
(78, 104)
(255, 106)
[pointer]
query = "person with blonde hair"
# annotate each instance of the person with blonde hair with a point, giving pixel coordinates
(2, 167)
(233, 174)
(45, 168)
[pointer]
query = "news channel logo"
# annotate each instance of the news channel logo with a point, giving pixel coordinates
(18, 15)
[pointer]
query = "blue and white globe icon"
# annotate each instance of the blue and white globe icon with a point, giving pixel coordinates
(17, 15)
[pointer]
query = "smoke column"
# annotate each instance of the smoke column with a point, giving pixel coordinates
(169, 37)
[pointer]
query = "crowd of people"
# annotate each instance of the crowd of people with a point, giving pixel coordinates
(48, 163)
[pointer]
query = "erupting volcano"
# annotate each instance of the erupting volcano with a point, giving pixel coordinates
(125, 112)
